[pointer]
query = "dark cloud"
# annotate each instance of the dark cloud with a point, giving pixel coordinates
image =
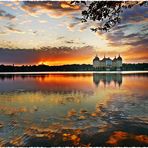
(69, 42)
(115, 38)
(12, 29)
(122, 27)
(67, 54)
(34, 32)
(75, 18)
(60, 37)
(133, 35)
(119, 36)
(143, 42)
(51, 54)
(135, 18)
(137, 14)
(73, 42)
(132, 39)
(4, 14)
(144, 29)
(72, 25)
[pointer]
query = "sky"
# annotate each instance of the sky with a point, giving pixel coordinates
(51, 33)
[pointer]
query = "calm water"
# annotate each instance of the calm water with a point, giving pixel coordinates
(74, 109)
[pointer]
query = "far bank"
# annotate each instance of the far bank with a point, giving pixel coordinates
(73, 67)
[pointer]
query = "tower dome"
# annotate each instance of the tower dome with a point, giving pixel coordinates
(119, 58)
(104, 59)
(96, 58)
(115, 58)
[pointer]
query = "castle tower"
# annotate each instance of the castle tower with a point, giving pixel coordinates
(96, 62)
(119, 62)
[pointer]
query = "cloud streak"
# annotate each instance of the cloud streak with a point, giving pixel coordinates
(136, 15)
(5, 15)
(12, 29)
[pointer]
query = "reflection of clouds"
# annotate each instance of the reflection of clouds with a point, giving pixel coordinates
(83, 125)
(66, 98)
(53, 83)
(56, 135)
(120, 136)
(11, 111)
(117, 137)
(121, 111)
(107, 79)
(35, 100)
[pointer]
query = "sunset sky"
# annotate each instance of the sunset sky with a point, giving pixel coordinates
(52, 33)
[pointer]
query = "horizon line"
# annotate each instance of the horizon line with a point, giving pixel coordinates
(59, 65)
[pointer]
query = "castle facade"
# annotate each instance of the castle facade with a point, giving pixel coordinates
(107, 63)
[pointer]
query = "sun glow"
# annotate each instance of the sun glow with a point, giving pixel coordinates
(44, 63)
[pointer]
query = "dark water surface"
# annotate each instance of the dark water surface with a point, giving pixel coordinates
(74, 109)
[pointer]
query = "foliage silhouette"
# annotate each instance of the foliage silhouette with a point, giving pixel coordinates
(106, 13)
(73, 67)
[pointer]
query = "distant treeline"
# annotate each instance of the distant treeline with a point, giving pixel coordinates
(73, 67)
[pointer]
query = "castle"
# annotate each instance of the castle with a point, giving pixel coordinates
(107, 63)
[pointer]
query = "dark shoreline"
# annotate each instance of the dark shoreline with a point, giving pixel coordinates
(69, 68)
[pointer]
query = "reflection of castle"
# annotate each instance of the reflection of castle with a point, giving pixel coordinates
(107, 78)
(107, 63)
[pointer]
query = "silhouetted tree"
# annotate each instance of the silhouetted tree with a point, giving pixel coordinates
(73, 67)
(106, 13)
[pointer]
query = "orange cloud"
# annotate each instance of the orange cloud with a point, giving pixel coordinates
(136, 54)
(55, 8)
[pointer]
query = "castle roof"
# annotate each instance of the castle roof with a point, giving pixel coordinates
(96, 58)
(108, 58)
(119, 58)
(114, 59)
(104, 59)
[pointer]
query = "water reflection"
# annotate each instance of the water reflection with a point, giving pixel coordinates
(69, 110)
(57, 83)
(64, 83)
(4, 77)
(107, 79)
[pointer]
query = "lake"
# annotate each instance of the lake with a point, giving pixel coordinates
(74, 109)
